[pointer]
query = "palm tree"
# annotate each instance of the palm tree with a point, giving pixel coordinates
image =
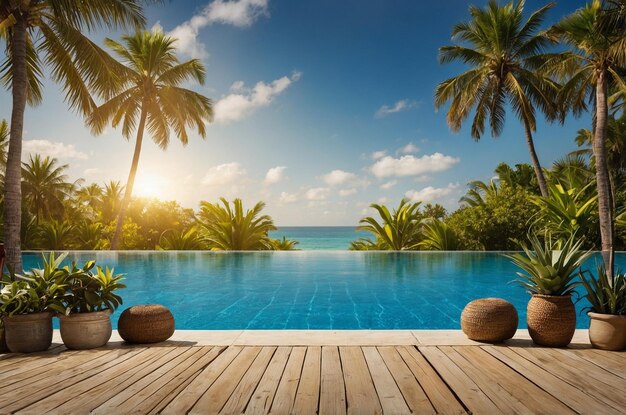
(4, 144)
(501, 49)
(55, 235)
(479, 191)
(398, 231)
(590, 68)
(110, 201)
(232, 229)
(188, 240)
(284, 244)
(438, 236)
(58, 27)
(45, 187)
(151, 96)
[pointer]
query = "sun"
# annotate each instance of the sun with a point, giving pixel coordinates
(149, 186)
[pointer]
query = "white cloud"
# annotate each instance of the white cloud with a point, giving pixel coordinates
(52, 149)
(347, 192)
(337, 177)
(389, 184)
(430, 194)
(275, 175)
(378, 154)
(224, 174)
(243, 101)
(288, 198)
(317, 193)
(240, 13)
(408, 149)
(402, 105)
(412, 166)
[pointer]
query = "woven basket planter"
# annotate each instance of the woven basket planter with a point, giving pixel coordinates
(551, 320)
(489, 320)
(149, 323)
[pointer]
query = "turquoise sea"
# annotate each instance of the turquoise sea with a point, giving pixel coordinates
(320, 237)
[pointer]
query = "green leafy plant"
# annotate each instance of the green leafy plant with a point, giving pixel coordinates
(397, 231)
(90, 291)
(284, 244)
(36, 291)
(438, 236)
(550, 267)
(606, 295)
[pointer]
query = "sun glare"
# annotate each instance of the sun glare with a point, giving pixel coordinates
(149, 186)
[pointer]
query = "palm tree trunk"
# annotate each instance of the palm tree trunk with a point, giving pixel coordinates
(128, 193)
(13, 178)
(602, 174)
(541, 179)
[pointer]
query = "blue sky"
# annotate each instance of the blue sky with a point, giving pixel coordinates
(322, 107)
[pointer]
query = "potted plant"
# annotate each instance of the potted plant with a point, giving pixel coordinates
(550, 277)
(607, 313)
(90, 300)
(27, 304)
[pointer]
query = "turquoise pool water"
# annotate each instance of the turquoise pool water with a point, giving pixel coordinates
(315, 290)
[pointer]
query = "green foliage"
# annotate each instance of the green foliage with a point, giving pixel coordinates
(36, 291)
(438, 236)
(55, 235)
(189, 240)
(231, 229)
(366, 244)
(397, 231)
(502, 217)
(567, 212)
(435, 211)
(605, 294)
(88, 291)
(284, 244)
(550, 267)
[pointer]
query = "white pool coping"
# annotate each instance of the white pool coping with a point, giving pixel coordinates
(333, 338)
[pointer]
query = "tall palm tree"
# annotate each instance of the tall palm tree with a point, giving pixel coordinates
(479, 191)
(398, 231)
(591, 67)
(51, 33)
(45, 186)
(151, 96)
(232, 229)
(501, 46)
(4, 144)
(111, 200)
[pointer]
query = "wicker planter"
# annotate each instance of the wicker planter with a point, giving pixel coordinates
(607, 331)
(148, 323)
(86, 330)
(489, 320)
(551, 320)
(27, 333)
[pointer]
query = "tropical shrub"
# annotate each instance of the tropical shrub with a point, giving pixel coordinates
(397, 231)
(189, 240)
(437, 236)
(284, 244)
(549, 267)
(366, 244)
(605, 294)
(233, 229)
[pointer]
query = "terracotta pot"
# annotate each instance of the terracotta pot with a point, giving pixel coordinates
(86, 330)
(607, 331)
(27, 333)
(551, 319)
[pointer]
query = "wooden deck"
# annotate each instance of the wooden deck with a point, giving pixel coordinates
(180, 377)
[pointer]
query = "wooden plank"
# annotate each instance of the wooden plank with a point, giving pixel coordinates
(263, 396)
(333, 389)
(288, 386)
(440, 396)
(496, 393)
(361, 394)
(617, 358)
(576, 377)
(307, 396)
(216, 396)
(140, 391)
(389, 394)
(240, 397)
(184, 401)
(540, 376)
(166, 392)
(526, 392)
(465, 388)
(603, 361)
(413, 393)
(91, 392)
(43, 388)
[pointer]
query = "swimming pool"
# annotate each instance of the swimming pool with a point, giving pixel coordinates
(314, 290)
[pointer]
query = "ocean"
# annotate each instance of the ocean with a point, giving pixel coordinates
(320, 237)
